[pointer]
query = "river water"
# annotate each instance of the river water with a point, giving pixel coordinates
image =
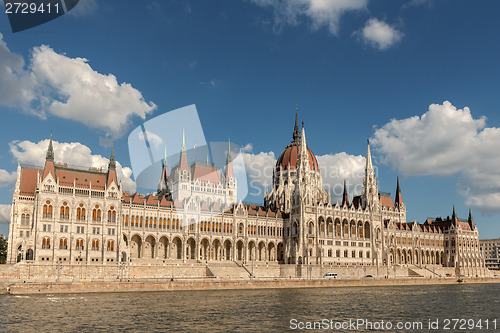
(268, 310)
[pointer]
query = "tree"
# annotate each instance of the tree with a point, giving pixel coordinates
(3, 251)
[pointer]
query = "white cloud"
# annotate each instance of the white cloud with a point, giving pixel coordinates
(7, 178)
(446, 141)
(5, 213)
(320, 13)
(379, 34)
(69, 88)
(153, 138)
(259, 168)
(32, 153)
(337, 167)
(334, 169)
(17, 85)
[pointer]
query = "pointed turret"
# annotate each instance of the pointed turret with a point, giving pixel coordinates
(399, 198)
(49, 161)
(369, 164)
(50, 150)
(163, 189)
(112, 164)
(345, 197)
(370, 190)
(454, 218)
(112, 168)
(471, 220)
(296, 133)
(303, 153)
(183, 158)
(229, 165)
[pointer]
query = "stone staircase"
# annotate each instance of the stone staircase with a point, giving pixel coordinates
(415, 271)
(228, 270)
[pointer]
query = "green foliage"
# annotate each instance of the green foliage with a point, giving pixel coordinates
(3, 251)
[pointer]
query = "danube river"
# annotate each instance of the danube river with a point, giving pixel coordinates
(269, 310)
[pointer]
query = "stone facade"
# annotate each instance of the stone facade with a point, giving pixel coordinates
(60, 214)
(490, 249)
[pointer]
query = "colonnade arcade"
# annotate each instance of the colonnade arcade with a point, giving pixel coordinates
(408, 256)
(343, 229)
(204, 249)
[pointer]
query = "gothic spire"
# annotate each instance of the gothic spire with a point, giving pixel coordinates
(229, 165)
(368, 156)
(471, 220)
(345, 197)
(399, 197)
(454, 216)
(370, 190)
(165, 165)
(50, 150)
(296, 131)
(183, 147)
(228, 157)
(183, 158)
(112, 164)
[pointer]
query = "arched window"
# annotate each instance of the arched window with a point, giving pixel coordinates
(368, 254)
(47, 210)
(63, 244)
(111, 245)
(337, 253)
(240, 228)
(46, 243)
(177, 224)
(95, 245)
(345, 253)
(23, 219)
(80, 213)
(64, 211)
(96, 214)
(112, 214)
(311, 228)
(79, 244)
(353, 254)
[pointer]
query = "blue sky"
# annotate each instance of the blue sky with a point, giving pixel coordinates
(369, 69)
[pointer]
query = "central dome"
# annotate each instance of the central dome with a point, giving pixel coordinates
(289, 158)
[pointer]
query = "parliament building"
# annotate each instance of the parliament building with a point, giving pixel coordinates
(68, 215)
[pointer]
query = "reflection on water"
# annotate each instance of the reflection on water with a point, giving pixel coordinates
(245, 310)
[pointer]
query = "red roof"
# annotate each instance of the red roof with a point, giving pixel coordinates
(81, 178)
(137, 199)
(28, 180)
(290, 156)
(152, 201)
(386, 201)
(205, 173)
(165, 203)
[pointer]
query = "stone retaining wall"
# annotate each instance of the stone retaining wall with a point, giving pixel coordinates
(87, 287)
